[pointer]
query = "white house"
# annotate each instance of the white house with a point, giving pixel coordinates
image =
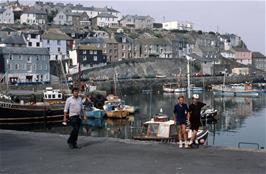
(105, 20)
(93, 11)
(228, 54)
(66, 17)
(6, 16)
(137, 22)
(178, 25)
(56, 41)
(33, 38)
(33, 16)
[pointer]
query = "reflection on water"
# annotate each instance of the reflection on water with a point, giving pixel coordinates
(240, 119)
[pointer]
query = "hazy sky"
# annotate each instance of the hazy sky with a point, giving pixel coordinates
(244, 18)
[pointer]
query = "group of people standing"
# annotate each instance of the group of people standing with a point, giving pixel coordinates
(187, 116)
(183, 116)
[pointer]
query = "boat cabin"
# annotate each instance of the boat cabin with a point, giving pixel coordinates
(51, 94)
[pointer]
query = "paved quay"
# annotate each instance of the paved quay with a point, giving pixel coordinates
(28, 152)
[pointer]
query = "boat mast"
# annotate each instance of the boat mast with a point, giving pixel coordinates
(115, 76)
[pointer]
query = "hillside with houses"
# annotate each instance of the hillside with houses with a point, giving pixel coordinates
(44, 39)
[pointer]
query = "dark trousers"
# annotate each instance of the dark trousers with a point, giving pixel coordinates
(75, 123)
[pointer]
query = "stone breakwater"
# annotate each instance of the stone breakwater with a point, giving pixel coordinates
(129, 85)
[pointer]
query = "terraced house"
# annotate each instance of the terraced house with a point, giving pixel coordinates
(33, 16)
(6, 16)
(25, 65)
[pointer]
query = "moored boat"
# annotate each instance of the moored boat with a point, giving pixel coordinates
(233, 90)
(162, 130)
(116, 108)
(33, 112)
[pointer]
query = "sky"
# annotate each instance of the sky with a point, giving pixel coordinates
(243, 18)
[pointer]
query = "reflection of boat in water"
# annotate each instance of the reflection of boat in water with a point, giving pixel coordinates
(161, 129)
(34, 112)
(94, 123)
(235, 90)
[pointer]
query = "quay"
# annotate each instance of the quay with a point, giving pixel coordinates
(29, 152)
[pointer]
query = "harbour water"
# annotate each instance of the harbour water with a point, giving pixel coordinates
(240, 119)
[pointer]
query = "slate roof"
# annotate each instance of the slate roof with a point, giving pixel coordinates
(119, 38)
(25, 50)
(92, 40)
(34, 11)
(8, 29)
(257, 55)
(105, 9)
(105, 15)
(55, 34)
(240, 49)
(14, 40)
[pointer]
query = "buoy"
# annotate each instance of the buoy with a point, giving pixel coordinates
(202, 141)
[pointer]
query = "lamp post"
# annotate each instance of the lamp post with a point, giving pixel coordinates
(188, 75)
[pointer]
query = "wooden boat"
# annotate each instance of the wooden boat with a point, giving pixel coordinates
(116, 108)
(158, 129)
(33, 112)
(117, 113)
(172, 88)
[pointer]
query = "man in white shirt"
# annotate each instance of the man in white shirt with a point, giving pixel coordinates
(73, 111)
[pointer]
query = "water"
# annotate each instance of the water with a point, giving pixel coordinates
(241, 119)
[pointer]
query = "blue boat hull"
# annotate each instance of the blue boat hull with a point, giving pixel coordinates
(94, 114)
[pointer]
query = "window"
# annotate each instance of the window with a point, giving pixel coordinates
(95, 52)
(45, 67)
(37, 44)
(29, 67)
(84, 52)
(34, 67)
(58, 49)
(58, 42)
(95, 58)
(30, 44)
(48, 41)
(56, 57)
(29, 59)
(40, 66)
(84, 58)
(9, 67)
(91, 52)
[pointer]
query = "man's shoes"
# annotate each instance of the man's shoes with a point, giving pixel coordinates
(76, 146)
(71, 146)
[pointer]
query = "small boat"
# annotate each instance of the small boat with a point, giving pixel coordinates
(93, 113)
(116, 108)
(50, 110)
(235, 90)
(161, 129)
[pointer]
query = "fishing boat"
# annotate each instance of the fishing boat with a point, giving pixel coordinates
(159, 128)
(51, 109)
(240, 90)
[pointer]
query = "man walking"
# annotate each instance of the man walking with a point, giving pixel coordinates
(194, 116)
(73, 111)
(180, 117)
